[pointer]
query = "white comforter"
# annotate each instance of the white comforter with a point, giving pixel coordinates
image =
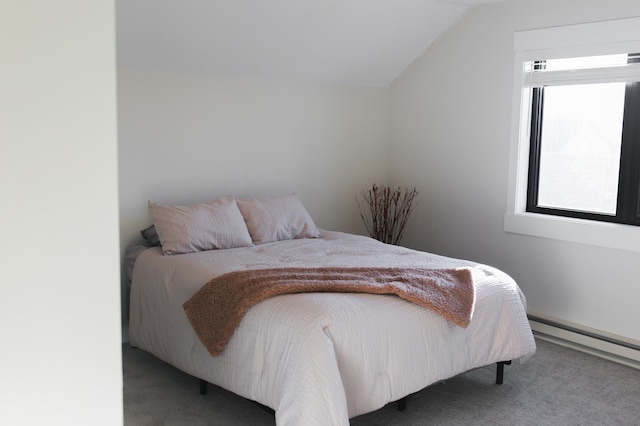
(322, 358)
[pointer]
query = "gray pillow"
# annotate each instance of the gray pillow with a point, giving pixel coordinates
(151, 236)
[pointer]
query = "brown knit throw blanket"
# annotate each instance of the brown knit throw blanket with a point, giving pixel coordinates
(218, 307)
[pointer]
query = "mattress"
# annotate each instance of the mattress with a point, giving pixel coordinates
(323, 358)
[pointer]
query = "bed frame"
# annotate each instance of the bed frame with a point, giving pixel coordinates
(402, 402)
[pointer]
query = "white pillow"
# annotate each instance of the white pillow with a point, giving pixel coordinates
(276, 219)
(206, 226)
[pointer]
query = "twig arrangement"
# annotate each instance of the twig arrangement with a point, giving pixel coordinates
(385, 211)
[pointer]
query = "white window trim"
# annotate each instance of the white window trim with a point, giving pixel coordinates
(598, 38)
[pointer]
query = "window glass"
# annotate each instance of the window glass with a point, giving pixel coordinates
(580, 147)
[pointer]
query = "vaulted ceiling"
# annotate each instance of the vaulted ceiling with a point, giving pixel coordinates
(354, 42)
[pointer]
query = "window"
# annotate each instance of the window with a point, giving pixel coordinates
(574, 172)
(583, 155)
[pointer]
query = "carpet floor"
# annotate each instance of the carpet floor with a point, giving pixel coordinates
(557, 386)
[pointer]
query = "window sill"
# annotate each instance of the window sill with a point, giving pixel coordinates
(602, 234)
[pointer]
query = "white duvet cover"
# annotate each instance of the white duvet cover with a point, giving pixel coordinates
(322, 358)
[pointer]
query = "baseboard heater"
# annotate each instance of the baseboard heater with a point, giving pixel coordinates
(595, 342)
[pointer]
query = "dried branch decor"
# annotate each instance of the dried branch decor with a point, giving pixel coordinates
(385, 211)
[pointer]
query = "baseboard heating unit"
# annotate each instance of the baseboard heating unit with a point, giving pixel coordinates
(596, 342)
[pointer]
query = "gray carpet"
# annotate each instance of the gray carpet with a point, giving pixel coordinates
(557, 386)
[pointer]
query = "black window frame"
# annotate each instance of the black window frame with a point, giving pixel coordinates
(628, 198)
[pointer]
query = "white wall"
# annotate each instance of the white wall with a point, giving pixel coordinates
(187, 138)
(59, 257)
(451, 118)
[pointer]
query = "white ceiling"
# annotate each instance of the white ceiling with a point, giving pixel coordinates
(355, 42)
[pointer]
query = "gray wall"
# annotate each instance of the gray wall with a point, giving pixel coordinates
(186, 138)
(451, 121)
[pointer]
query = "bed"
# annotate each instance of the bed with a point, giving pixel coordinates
(320, 357)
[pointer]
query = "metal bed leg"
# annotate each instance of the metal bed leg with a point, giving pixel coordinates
(500, 371)
(203, 387)
(402, 404)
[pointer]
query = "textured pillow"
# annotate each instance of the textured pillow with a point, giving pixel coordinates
(276, 219)
(198, 227)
